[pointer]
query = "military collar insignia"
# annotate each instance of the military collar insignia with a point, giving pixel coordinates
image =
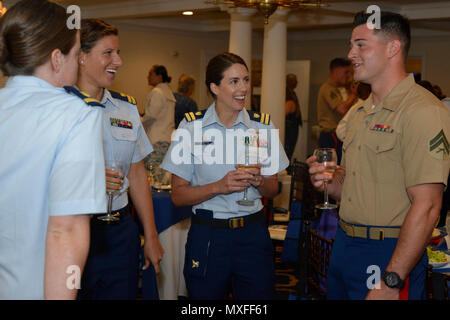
(191, 116)
(263, 118)
(84, 96)
(122, 97)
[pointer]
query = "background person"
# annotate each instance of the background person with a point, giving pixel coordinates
(228, 244)
(331, 107)
(159, 116)
(52, 166)
(293, 116)
(113, 263)
(184, 102)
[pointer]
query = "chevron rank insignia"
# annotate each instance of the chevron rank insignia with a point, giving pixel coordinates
(439, 147)
(263, 118)
(191, 116)
(195, 264)
(83, 95)
(123, 97)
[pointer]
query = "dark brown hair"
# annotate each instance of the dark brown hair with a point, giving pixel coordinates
(93, 30)
(218, 65)
(162, 71)
(29, 32)
(392, 25)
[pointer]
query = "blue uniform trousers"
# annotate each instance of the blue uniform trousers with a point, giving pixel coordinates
(352, 264)
(220, 259)
(112, 267)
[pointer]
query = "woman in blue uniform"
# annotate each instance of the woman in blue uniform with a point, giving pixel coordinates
(228, 244)
(51, 163)
(112, 267)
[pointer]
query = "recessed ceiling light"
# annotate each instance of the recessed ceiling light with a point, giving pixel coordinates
(188, 13)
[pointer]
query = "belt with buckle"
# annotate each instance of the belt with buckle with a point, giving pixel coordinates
(373, 233)
(232, 223)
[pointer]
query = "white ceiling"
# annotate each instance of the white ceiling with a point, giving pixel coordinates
(424, 14)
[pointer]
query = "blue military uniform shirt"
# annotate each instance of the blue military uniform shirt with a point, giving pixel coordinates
(124, 138)
(203, 151)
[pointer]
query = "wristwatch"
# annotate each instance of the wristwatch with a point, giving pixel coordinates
(392, 280)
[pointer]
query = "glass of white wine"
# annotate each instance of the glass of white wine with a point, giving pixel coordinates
(327, 157)
(245, 201)
(120, 168)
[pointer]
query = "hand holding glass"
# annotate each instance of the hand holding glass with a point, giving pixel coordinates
(119, 167)
(328, 158)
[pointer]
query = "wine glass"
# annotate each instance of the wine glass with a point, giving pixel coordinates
(120, 168)
(327, 157)
(245, 201)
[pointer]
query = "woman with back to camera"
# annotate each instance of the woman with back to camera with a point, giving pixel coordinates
(228, 243)
(113, 263)
(52, 165)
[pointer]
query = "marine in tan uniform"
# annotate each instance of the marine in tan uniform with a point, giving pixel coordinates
(396, 159)
(331, 106)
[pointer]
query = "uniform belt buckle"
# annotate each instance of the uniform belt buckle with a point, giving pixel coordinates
(236, 223)
(117, 214)
(381, 233)
(351, 230)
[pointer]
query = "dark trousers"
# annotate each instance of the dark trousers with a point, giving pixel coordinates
(112, 267)
(352, 263)
(220, 259)
(290, 139)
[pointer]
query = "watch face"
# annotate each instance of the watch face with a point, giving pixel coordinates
(391, 280)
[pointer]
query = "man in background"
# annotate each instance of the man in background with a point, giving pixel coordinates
(331, 106)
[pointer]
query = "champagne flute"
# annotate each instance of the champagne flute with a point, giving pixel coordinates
(245, 201)
(120, 168)
(327, 157)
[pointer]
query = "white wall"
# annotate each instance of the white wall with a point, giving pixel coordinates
(178, 52)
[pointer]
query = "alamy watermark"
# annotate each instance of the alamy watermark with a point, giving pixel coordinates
(74, 20)
(374, 21)
(74, 280)
(213, 146)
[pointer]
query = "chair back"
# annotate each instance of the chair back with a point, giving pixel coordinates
(303, 191)
(318, 261)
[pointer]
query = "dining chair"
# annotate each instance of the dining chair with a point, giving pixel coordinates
(437, 285)
(318, 261)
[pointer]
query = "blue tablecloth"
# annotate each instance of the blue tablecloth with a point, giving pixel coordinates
(166, 215)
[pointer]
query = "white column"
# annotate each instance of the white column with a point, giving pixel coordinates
(241, 37)
(273, 84)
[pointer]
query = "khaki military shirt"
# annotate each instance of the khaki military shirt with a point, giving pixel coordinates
(400, 143)
(328, 99)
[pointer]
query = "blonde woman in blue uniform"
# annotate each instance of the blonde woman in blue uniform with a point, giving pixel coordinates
(228, 244)
(112, 266)
(51, 163)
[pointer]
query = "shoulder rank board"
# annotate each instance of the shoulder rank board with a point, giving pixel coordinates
(123, 97)
(84, 96)
(191, 116)
(263, 118)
